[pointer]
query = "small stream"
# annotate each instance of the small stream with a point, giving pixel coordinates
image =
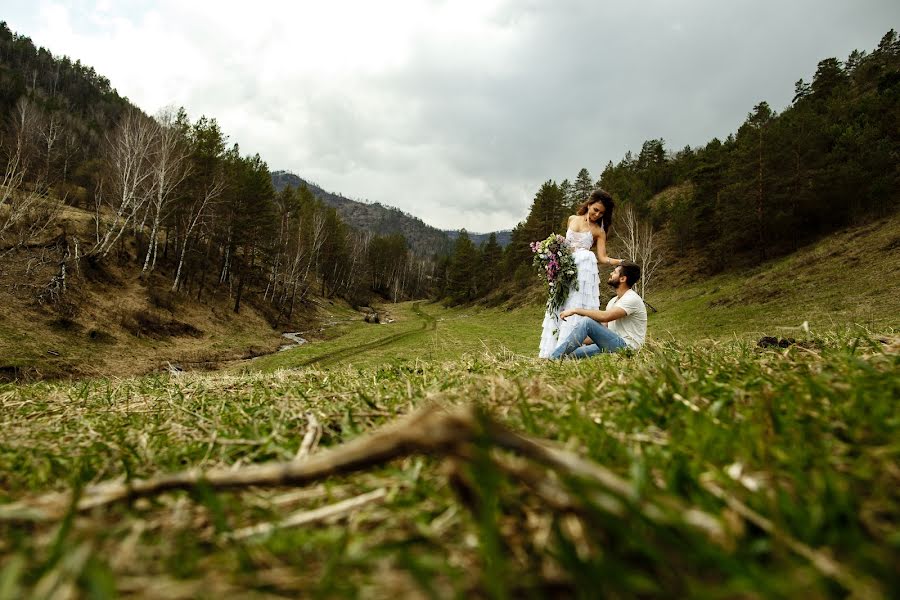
(295, 338)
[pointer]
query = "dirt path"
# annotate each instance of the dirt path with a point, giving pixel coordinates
(429, 323)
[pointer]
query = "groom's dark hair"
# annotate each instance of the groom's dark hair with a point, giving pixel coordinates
(631, 272)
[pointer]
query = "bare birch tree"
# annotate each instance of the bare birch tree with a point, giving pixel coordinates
(50, 132)
(170, 166)
(197, 211)
(25, 210)
(359, 242)
(26, 137)
(130, 179)
(299, 254)
(317, 240)
(642, 245)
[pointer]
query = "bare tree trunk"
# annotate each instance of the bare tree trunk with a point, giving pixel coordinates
(25, 212)
(196, 213)
(226, 260)
(318, 241)
(642, 245)
(130, 176)
(760, 240)
(170, 167)
(50, 133)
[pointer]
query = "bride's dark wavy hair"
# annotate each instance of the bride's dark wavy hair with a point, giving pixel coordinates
(603, 196)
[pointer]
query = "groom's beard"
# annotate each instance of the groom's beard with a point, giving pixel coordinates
(612, 283)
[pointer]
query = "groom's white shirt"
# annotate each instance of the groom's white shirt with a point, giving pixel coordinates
(633, 326)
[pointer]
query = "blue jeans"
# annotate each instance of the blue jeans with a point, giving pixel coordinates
(604, 341)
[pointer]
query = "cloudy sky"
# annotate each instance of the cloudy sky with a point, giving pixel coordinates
(455, 111)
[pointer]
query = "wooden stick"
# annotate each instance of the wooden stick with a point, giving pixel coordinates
(307, 517)
(313, 433)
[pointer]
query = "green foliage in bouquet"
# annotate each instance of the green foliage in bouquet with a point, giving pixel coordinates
(556, 266)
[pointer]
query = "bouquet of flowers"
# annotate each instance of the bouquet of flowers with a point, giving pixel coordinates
(556, 266)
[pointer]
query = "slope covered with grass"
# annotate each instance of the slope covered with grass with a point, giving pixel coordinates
(850, 277)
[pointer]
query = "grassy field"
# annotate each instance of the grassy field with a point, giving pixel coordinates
(434, 456)
(420, 332)
(706, 469)
(851, 279)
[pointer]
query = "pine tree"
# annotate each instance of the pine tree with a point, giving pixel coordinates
(568, 192)
(462, 274)
(490, 265)
(582, 188)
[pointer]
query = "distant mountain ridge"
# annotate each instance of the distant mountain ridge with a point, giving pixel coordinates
(504, 236)
(423, 239)
(386, 220)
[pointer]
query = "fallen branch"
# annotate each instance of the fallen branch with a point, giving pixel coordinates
(429, 430)
(432, 429)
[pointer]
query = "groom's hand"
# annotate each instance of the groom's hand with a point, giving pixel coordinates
(566, 313)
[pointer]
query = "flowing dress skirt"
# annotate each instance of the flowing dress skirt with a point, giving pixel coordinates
(587, 295)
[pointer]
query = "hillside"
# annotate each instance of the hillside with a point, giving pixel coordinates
(113, 322)
(377, 218)
(849, 278)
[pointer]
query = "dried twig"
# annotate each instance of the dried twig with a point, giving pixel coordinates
(305, 517)
(311, 439)
(857, 586)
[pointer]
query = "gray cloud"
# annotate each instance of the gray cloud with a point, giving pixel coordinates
(452, 111)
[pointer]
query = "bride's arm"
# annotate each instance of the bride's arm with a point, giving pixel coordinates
(602, 258)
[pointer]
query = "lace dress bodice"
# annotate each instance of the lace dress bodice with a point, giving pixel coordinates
(580, 240)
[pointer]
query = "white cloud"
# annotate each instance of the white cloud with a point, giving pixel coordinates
(454, 110)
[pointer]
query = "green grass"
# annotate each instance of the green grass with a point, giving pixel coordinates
(807, 437)
(421, 331)
(850, 278)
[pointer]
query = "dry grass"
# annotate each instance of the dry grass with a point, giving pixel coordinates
(111, 321)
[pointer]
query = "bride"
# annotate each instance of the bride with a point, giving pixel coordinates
(586, 229)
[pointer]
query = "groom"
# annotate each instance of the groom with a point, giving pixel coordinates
(625, 315)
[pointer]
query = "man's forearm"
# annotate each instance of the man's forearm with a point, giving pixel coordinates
(601, 316)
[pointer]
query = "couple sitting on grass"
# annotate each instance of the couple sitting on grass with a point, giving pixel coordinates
(622, 325)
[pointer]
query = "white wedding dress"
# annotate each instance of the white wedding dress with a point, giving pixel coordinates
(586, 296)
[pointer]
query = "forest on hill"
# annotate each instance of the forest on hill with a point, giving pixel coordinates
(825, 163)
(168, 197)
